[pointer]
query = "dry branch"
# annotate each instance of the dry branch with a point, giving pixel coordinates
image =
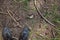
(39, 13)
(9, 12)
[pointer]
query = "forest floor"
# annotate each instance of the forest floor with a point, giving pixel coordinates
(17, 14)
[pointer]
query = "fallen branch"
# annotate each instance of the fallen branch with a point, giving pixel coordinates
(39, 13)
(13, 18)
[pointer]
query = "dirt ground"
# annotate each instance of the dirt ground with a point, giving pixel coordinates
(14, 15)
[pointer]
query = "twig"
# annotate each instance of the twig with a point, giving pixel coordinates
(3, 13)
(13, 18)
(39, 13)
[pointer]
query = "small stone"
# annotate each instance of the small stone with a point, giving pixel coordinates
(30, 16)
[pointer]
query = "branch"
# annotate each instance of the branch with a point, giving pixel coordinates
(39, 13)
(13, 18)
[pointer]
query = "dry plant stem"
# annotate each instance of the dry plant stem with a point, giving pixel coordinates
(40, 14)
(13, 18)
(2, 13)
